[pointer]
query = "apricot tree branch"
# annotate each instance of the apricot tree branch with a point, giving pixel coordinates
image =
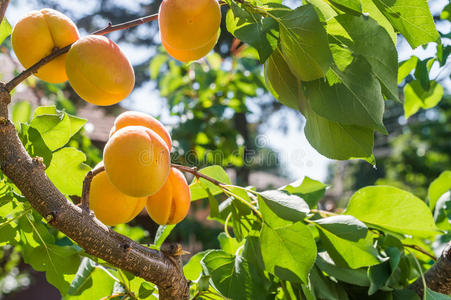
(3, 6)
(87, 186)
(419, 249)
(28, 174)
(110, 28)
(438, 277)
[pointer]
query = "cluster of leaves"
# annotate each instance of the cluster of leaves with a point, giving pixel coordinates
(283, 247)
(334, 61)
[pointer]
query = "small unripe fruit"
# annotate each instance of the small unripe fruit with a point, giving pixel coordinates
(111, 206)
(99, 71)
(171, 203)
(136, 118)
(189, 29)
(37, 34)
(137, 161)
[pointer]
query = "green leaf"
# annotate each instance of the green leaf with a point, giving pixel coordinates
(59, 262)
(289, 252)
(229, 244)
(145, 290)
(416, 97)
(412, 18)
(347, 253)
(56, 127)
(384, 61)
(21, 112)
(390, 208)
(249, 27)
(345, 227)
(82, 277)
(338, 141)
(406, 67)
(288, 207)
(192, 269)
(198, 186)
(357, 277)
(308, 189)
(280, 81)
(233, 276)
(325, 288)
(431, 295)
(67, 170)
(368, 7)
(252, 252)
(378, 276)
(438, 187)
(155, 65)
(324, 10)
(304, 43)
(5, 30)
(348, 5)
(162, 233)
(35, 145)
(359, 92)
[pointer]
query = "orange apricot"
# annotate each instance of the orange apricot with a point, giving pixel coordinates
(99, 71)
(171, 203)
(136, 118)
(37, 34)
(137, 161)
(189, 29)
(111, 206)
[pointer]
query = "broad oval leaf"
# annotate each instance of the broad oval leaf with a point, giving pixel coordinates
(198, 186)
(288, 207)
(393, 209)
(232, 276)
(410, 17)
(304, 43)
(346, 227)
(288, 252)
(438, 187)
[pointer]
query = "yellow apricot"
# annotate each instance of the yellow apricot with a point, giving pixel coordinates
(99, 71)
(137, 161)
(171, 203)
(191, 54)
(37, 34)
(189, 28)
(111, 206)
(136, 118)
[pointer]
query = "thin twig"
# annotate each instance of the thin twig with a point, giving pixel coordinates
(110, 28)
(3, 7)
(84, 204)
(419, 249)
(197, 174)
(126, 25)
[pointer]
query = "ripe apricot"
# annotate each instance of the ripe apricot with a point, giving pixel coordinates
(37, 34)
(137, 161)
(189, 29)
(111, 206)
(99, 71)
(136, 118)
(171, 203)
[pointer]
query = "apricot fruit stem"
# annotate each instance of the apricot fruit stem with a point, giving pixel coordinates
(84, 204)
(34, 68)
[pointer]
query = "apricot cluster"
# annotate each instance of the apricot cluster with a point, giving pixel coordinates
(189, 29)
(95, 66)
(138, 173)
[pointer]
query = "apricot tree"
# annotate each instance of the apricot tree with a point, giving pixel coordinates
(334, 61)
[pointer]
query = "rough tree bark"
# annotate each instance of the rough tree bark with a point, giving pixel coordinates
(28, 174)
(438, 278)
